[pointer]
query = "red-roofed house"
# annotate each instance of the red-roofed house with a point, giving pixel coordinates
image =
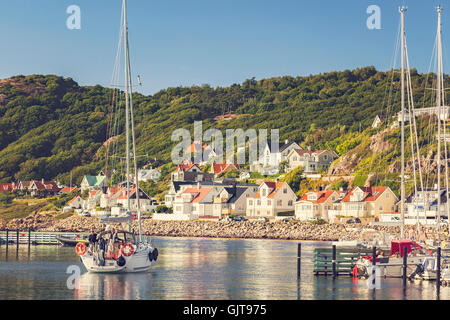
(311, 161)
(7, 187)
(50, 187)
(68, 189)
(364, 202)
(218, 168)
(315, 204)
(271, 199)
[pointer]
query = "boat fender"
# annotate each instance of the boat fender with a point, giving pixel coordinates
(121, 261)
(155, 254)
(150, 256)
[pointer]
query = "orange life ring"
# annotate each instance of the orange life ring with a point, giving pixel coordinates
(80, 248)
(127, 249)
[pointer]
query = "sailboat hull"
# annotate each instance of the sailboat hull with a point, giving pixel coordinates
(137, 262)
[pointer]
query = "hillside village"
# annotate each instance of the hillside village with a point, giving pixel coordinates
(222, 190)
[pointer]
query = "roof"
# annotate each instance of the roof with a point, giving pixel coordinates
(301, 152)
(274, 186)
(370, 193)
(197, 146)
(6, 187)
(221, 167)
(73, 200)
(94, 181)
(198, 193)
(186, 167)
(68, 189)
(235, 192)
(322, 196)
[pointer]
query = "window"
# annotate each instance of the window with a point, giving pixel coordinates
(280, 203)
(264, 192)
(290, 203)
(258, 202)
(295, 158)
(250, 202)
(269, 202)
(387, 195)
(284, 190)
(381, 208)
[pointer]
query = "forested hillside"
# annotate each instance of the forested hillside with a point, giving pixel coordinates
(50, 125)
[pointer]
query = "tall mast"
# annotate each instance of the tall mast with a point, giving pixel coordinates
(438, 105)
(129, 101)
(402, 197)
(127, 120)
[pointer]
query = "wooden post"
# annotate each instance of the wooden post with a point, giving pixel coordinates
(405, 263)
(333, 262)
(17, 237)
(29, 238)
(438, 271)
(7, 238)
(374, 263)
(299, 259)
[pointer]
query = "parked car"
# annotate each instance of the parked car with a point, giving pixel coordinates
(238, 218)
(354, 220)
(85, 214)
(287, 219)
(265, 219)
(312, 219)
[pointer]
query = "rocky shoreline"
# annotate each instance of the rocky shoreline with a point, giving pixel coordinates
(293, 230)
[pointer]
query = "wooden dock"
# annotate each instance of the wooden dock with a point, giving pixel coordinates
(345, 260)
(35, 238)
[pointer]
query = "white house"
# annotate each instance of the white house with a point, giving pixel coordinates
(271, 199)
(270, 159)
(311, 161)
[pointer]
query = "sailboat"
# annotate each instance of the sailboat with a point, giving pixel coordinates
(122, 251)
(392, 266)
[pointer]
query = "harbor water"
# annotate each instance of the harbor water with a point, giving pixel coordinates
(194, 268)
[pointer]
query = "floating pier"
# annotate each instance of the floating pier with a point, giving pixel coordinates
(337, 261)
(35, 238)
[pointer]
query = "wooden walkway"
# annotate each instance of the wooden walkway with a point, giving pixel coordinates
(345, 260)
(35, 238)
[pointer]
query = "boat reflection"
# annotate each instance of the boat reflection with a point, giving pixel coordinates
(97, 286)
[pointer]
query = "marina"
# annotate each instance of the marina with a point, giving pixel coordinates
(197, 269)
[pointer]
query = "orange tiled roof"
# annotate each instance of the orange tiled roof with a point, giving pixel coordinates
(275, 186)
(198, 193)
(370, 193)
(220, 167)
(322, 196)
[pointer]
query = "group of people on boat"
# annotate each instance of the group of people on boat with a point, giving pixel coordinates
(107, 245)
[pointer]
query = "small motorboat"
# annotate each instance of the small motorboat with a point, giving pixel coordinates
(72, 241)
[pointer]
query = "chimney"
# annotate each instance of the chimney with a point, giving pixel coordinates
(309, 148)
(368, 184)
(42, 180)
(320, 188)
(286, 141)
(198, 185)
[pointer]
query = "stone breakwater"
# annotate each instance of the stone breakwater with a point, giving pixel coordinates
(212, 229)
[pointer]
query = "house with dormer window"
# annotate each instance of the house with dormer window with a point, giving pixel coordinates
(271, 199)
(270, 158)
(362, 202)
(315, 204)
(311, 161)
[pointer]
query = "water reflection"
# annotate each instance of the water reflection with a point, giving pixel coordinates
(196, 269)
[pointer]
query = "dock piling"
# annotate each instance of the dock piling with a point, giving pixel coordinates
(405, 263)
(299, 259)
(333, 262)
(438, 271)
(29, 238)
(374, 263)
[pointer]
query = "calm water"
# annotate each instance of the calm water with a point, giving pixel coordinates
(194, 269)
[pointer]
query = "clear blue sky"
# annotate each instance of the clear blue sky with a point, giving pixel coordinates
(187, 42)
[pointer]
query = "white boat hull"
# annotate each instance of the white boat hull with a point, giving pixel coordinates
(138, 262)
(393, 268)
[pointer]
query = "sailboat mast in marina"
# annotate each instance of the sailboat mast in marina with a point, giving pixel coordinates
(402, 187)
